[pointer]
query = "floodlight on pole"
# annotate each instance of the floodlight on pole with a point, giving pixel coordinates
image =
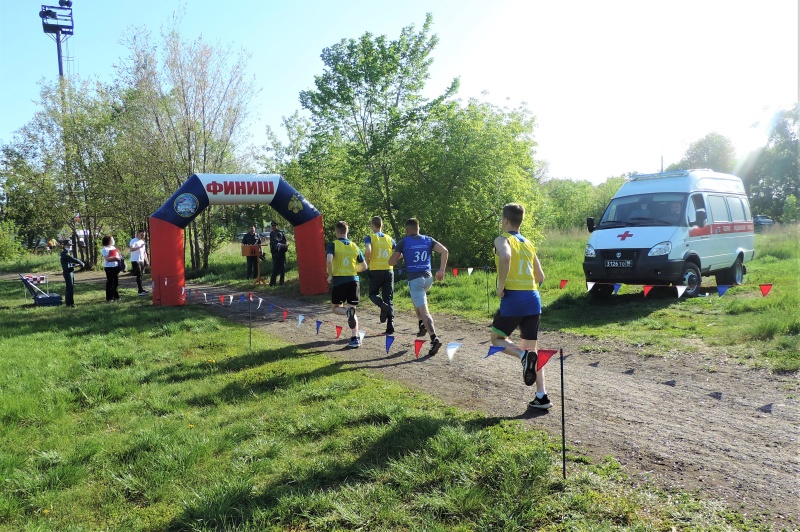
(57, 22)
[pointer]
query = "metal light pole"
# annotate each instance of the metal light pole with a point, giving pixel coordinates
(57, 22)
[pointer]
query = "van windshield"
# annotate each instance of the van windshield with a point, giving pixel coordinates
(667, 208)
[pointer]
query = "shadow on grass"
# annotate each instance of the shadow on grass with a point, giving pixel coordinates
(238, 503)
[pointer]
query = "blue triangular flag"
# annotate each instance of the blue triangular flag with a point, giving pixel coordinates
(617, 286)
(241, 298)
(318, 325)
(494, 349)
(721, 289)
(389, 340)
(270, 307)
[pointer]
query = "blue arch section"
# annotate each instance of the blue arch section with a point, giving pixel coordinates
(201, 190)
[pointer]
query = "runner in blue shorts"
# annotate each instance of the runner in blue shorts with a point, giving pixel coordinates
(518, 275)
(416, 250)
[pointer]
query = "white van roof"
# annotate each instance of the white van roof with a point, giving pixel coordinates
(682, 181)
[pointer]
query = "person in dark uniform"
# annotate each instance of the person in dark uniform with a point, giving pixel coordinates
(251, 239)
(68, 263)
(278, 247)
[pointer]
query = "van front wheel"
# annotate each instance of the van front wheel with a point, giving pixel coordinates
(733, 275)
(691, 279)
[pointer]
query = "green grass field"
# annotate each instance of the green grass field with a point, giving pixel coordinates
(134, 417)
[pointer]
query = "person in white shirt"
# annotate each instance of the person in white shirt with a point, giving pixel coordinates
(138, 259)
(112, 266)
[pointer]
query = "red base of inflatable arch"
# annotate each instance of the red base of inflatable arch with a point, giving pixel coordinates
(167, 263)
(311, 257)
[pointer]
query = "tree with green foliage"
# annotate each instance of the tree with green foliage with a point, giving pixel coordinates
(772, 173)
(714, 151)
(370, 95)
(791, 212)
(9, 245)
(193, 99)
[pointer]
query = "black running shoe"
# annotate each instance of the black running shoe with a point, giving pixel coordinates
(542, 403)
(384, 314)
(422, 330)
(529, 359)
(435, 345)
(351, 317)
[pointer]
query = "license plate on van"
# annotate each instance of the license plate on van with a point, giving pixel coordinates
(619, 264)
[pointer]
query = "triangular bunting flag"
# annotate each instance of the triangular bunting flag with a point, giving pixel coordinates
(543, 356)
(617, 286)
(417, 346)
(222, 299)
(241, 298)
(338, 331)
(231, 300)
(765, 288)
(300, 319)
(721, 289)
(681, 289)
(469, 271)
(389, 342)
(647, 289)
(589, 286)
(319, 324)
(205, 297)
(270, 307)
(183, 290)
(455, 272)
(494, 349)
(452, 347)
(361, 336)
(260, 300)
(285, 313)
(563, 284)
(251, 296)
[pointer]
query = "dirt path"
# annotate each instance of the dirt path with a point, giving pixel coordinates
(693, 421)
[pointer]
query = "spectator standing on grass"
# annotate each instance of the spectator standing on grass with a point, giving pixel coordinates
(68, 263)
(112, 267)
(416, 251)
(138, 248)
(278, 246)
(379, 248)
(251, 239)
(343, 263)
(518, 275)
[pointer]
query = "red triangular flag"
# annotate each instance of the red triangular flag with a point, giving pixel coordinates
(455, 272)
(251, 296)
(285, 313)
(647, 289)
(417, 346)
(222, 299)
(765, 288)
(338, 331)
(563, 284)
(543, 356)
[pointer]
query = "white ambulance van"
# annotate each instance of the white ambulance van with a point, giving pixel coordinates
(670, 229)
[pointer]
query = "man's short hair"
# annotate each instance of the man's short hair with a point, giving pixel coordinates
(377, 221)
(514, 213)
(413, 225)
(342, 227)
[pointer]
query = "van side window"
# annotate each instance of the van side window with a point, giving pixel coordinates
(736, 208)
(697, 203)
(719, 209)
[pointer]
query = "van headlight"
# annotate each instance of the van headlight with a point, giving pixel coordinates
(662, 248)
(589, 253)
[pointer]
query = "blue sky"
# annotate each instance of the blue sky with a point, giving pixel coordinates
(614, 85)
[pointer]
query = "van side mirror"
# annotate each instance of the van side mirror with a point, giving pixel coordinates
(590, 224)
(701, 217)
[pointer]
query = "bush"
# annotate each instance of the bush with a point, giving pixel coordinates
(9, 247)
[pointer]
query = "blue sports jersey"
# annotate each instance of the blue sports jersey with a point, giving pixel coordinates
(416, 250)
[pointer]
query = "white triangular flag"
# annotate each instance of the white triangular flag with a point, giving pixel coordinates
(469, 271)
(589, 286)
(230, 302)
(452, 347)
(259, 303)
(183, 290)
(681, 289)
(361, 336)
(300, 319)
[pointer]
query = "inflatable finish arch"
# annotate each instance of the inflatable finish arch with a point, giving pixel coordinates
(201, 190)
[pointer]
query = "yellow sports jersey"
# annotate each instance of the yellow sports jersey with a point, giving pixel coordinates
(345, 258)
(381, 251)
(520, 273)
